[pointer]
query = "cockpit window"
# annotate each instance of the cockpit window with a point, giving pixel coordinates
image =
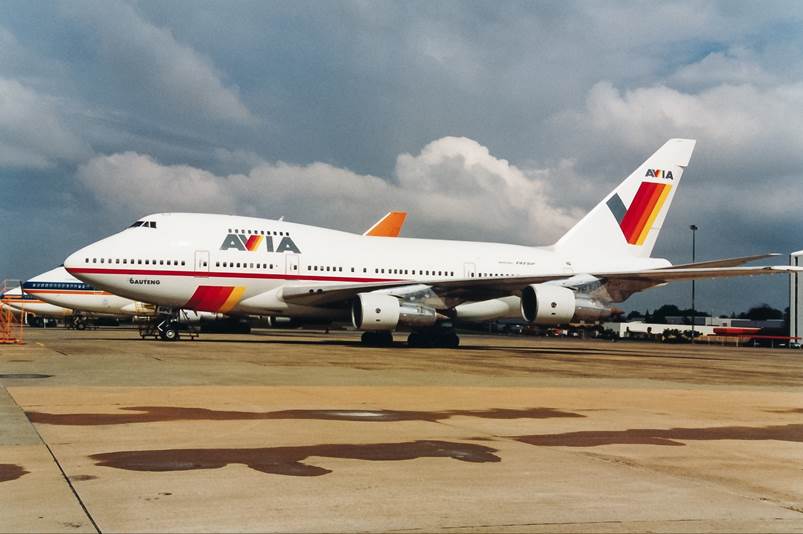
(145, 224)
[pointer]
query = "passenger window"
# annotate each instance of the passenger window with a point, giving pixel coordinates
(182, 263)
(295, 267)
(238, 265)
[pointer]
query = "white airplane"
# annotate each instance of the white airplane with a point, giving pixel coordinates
(18, 301)
(230, 264)
(61, 289)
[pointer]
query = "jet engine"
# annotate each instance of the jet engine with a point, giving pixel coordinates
(547, 304)
(551, 304)
(376, 311)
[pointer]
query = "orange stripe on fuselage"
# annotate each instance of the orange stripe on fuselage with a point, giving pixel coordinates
(215, 298)
(233, 299)
(65, 292)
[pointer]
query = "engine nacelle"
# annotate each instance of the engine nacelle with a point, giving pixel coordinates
(587, 309)
(377, 311)
(547, 304)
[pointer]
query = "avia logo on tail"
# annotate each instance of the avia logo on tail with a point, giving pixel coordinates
(636, 220)
(254, 242)
(658, 173)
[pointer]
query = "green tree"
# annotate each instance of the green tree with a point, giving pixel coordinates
(762, 312)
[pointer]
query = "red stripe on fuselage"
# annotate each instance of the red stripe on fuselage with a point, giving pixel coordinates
(209, 298)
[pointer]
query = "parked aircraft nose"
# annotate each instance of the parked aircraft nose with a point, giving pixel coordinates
(79, 264)
(73, 261)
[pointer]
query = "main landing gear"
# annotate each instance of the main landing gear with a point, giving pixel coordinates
(445, 338)
(167, 327)
(79, 322)
(436, 337)
(382, 338)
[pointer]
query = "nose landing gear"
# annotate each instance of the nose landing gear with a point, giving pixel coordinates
(167, 326)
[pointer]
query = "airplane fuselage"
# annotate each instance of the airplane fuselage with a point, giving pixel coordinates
(214, 262)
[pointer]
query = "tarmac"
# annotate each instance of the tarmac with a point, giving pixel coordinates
(295, 431)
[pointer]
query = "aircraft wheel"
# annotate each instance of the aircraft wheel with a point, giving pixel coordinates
(80, 325)
(377, 339)
(169, 332)
(414, 340)
(385, 339)
(451, 340)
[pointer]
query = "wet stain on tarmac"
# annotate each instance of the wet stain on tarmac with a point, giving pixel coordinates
(153, 414)
(290, 460)
(23, 375)
(669, 436)
(82, 478)
(11, 472)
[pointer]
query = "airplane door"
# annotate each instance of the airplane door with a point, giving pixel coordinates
(470, 270)
(291, 264)
(202, 263)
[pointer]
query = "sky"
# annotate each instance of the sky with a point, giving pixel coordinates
(489, 121)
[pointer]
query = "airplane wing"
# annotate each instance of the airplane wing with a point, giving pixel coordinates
(487, 288)
(728, 262)
(388, 226)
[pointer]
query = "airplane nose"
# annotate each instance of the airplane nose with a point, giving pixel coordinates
(72, 262)
(78, 262)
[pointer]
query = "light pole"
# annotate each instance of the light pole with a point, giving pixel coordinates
(693, 229)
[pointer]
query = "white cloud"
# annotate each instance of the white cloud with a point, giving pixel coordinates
(745, 128)
(32, 131)
(161, 69)
(736, 66)
(453, 188)
(134, 183)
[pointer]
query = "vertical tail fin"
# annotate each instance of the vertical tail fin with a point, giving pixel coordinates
(628, 220)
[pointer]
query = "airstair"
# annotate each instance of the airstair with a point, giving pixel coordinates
(11, 321)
